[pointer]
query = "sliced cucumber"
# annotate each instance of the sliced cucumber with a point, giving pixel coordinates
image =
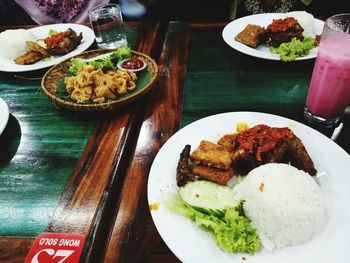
(209, 196)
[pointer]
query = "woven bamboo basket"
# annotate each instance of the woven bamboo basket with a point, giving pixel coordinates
(58, 72)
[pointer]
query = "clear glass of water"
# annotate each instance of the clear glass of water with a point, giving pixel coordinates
(107, 23)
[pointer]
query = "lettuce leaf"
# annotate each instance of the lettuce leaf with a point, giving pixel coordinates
(231, 229)
(77, 64)
(289, 51)
(109, 62)
(52, 32)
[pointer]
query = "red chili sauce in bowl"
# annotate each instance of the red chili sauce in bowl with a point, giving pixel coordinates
(134, 64)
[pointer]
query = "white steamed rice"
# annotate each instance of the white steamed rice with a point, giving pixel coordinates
(306, 21)
(13, 42)
(284, 204)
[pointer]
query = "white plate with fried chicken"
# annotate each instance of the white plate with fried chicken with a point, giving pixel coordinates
(191, 244)
(258, 49)
(25, 50)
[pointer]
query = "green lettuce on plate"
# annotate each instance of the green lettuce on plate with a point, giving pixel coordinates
(207, 206)
(296, 48)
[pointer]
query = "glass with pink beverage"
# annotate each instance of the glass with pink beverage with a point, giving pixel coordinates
(329, 91)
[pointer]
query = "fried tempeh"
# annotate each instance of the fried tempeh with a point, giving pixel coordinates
(251, 35)
(212, 155)
(213, 174)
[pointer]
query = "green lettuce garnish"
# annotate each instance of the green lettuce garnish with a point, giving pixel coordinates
(52, 32)
(230, 228)
(77, 64)
(109, 62)
(294, 49)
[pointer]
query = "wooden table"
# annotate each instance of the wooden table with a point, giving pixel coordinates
(87, 174)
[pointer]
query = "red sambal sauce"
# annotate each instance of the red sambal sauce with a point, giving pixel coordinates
(263, 137)
(54, 40)
(132, 63)
(281, 25)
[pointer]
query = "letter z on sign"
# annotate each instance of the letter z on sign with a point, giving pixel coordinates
(56, 248)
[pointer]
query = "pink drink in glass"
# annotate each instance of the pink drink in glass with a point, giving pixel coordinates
(329, 91)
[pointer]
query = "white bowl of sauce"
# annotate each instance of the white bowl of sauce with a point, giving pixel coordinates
(133, 64)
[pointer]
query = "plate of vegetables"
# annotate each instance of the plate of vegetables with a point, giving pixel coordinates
(92, 80)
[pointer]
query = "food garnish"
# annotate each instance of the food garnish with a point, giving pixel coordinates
(154, 207)
(261, 187)
(105, 62)
(219, 213)
(294, 49)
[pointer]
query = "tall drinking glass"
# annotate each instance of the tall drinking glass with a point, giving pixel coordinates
(329, 91)
(107, 23)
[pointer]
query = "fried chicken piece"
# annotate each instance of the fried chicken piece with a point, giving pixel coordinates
(251, 35)
(35, 53)
(254, 143)
(228, 141)
(212, 155)
(277, 154)
(213, 174)
(183, 172)
(28, 58)
(32, 46)
(303, 160)
(262, 144)
(282, 30)
(70, 41)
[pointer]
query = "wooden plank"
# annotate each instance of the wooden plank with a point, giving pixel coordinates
(134, 235)
(14, 250)
(97, 238)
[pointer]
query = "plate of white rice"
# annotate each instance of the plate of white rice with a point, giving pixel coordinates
(299, 218)
(311, 26)
(12, 45)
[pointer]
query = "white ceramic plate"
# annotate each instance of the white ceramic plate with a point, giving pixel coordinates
(262, 51)
(4, 115)
(41, 32)
(191, 244)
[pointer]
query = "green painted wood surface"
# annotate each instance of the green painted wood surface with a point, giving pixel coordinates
(220, 79)
(39, 150)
